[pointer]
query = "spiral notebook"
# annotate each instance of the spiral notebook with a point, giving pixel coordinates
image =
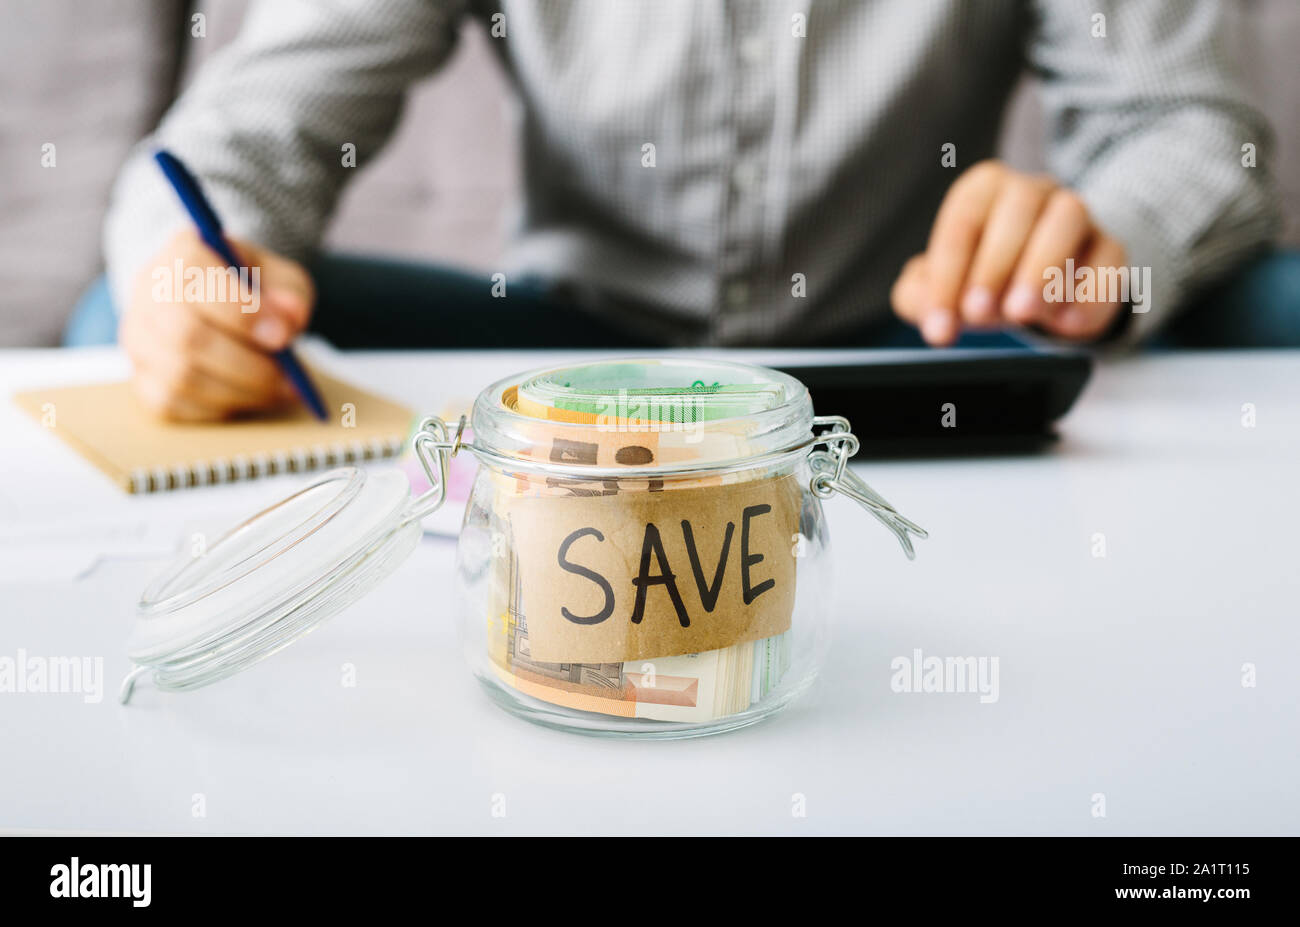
(108, 426)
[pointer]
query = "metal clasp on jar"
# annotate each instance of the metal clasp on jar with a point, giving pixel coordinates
(434, 448)
(831, 475)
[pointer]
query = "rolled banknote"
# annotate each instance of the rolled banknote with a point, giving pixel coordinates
(685, 688)
(661, 394)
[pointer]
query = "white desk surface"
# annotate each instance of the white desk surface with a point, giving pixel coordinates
(1120, 676)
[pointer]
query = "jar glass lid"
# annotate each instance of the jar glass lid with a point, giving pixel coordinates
(272, 579)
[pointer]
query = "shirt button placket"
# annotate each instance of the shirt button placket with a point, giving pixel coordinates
(752, 107)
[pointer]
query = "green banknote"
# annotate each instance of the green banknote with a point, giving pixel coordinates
(652, 393)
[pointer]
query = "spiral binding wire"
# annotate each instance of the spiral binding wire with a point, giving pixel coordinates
(247, 467)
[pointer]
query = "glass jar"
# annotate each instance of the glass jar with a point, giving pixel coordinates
(644, 550)
(643, 553)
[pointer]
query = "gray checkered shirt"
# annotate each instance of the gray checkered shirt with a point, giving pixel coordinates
(753, 171)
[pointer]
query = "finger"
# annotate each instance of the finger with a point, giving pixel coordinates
(230, 373)
(909, 295)
(953, 241)
(286, 285)
(1005, 235)
(268, 304)
(180, 378)
(1061, 232)
(1085, 320)
(248, 369)
(160, 397)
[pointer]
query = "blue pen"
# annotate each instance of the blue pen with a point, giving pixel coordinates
(200, 210)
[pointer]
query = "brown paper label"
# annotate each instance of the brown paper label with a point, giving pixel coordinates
(653, 574)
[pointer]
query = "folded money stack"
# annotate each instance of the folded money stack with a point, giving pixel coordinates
(635, 415)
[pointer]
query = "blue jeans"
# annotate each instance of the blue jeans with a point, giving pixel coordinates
(379, 303)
